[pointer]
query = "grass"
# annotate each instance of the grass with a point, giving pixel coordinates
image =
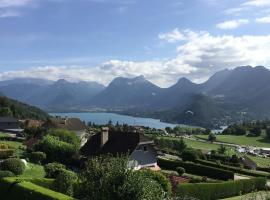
(33, 171)
(197, 144)
(259, 141)
(261, 162)
(263, 195)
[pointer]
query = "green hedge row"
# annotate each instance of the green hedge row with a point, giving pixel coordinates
(14, 189)
(213, 191)
(197, 169)
(6, 153)
(234, 169)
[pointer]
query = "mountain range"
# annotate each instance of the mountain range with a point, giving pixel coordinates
(228, 96)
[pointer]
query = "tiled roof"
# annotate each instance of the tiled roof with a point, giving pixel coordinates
(118, 143)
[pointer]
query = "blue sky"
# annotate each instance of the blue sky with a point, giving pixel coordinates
(97, 40)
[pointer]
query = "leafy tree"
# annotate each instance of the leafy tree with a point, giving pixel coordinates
(212, 137)
(222, 149)
(207, 131)
(180, 145)
(65, 181)
(268, 133)
(108, 177)
(169, 129)
(56, 150)
(65, 136)
(256, 131)
(190, 155)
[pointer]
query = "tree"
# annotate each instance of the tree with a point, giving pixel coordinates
(222, 149)
(207, 131)
(190, 155)
(169, 129)
(108, 177)
(37, 157)
(268, 132)
(181, 145)
(256, 131)
(56, 150)
(65, 181)
(65, 136)
(212, 137)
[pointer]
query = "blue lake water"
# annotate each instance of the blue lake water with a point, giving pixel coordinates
(103, 118)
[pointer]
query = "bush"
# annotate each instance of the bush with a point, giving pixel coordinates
(37, 157)
(180, 170)
(190, 155)
(108, 177)
(162, 180)
(53, 169)
(14, 165)
(234, 169)
(6, 174)
(212, 191)
(197, 169)
(6, 153)
(64, 182)
(56, 150)
(65, 136)
(14, 189)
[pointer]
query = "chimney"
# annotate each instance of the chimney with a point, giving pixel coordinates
(104, 136)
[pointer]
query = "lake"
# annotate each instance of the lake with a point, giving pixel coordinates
(103, 118)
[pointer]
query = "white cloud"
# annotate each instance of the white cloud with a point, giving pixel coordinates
(265, 19)
(14, 3)
(172, 36)
(199, 55)
(9, 13)
(232, 24)
(257, 3)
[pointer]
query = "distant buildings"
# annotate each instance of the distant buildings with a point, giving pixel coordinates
(140, 149)
(8, 123)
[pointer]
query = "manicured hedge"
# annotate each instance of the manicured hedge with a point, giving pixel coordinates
(14, 189)
(235, 169)
(213, 191)
(6, 153)
(197, 169)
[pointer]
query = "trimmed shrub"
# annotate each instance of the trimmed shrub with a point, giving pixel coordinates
(212, 191)
(180, 170)
(6, 174)
(234, 169)
(189, 155)
(53, 169)
(14, 189)
(6, 153)
(197, 169)
(64, 182)
(162, 180)
(14, 165)
(37, 157)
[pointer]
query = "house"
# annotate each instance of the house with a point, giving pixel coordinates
(71, 124)
(140, 149)
(8, 123)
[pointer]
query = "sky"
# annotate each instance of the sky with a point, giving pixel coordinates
(164, 40)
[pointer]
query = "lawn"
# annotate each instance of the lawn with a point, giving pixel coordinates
(261, 162)
(33, 171)
(197, 144)
(240, 140)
